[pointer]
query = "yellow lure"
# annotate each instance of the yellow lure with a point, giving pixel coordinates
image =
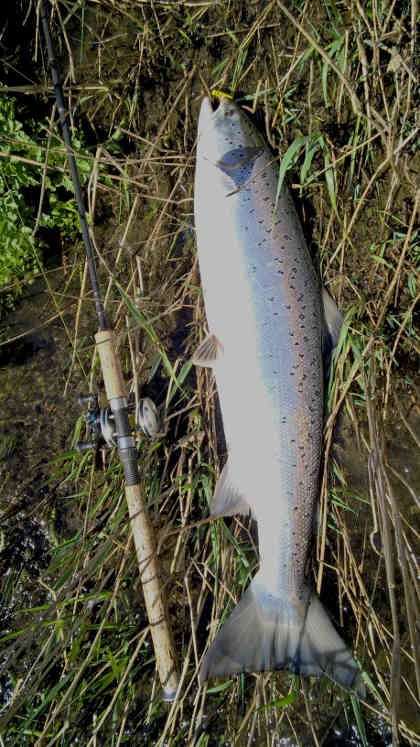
(220, 94)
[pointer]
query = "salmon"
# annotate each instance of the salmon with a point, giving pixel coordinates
(270, 323)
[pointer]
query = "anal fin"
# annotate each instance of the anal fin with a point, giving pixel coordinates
(227, 499)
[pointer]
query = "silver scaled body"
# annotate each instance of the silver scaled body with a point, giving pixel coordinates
(267, 324)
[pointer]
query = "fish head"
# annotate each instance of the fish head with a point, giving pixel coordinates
(226, 137)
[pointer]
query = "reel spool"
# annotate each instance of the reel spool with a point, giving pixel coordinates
(147, 418)
(100, 421)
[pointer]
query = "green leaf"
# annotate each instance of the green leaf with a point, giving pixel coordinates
(329, 175)
(219, 688)
(310, 150)
(359, 719)
(281, 702)
(288, 160)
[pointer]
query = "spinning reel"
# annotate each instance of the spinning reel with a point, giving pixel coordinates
(100, 421)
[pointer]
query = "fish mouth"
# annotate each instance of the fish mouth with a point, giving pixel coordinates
(218, 125)
(214, 110)
(223, 104)
(216, 104)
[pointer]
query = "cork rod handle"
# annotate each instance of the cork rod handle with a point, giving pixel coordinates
(142, 529)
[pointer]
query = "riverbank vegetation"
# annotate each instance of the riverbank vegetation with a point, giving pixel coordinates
(335, 88)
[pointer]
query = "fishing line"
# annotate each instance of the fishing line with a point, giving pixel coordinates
(62, 112)
(112, 425)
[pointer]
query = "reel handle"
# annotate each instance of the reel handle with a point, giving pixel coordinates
(84, 445)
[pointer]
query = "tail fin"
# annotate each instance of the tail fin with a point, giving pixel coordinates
(265, 633)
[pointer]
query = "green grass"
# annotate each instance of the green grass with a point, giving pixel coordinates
(339, 107)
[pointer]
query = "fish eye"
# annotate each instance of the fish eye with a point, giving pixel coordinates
(228, 111)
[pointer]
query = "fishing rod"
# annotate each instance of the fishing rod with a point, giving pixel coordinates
(112, 423)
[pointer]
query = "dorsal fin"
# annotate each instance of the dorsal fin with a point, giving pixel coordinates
(333, 320)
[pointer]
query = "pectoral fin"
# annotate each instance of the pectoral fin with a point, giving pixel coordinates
(238, 164)
(208, 352)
